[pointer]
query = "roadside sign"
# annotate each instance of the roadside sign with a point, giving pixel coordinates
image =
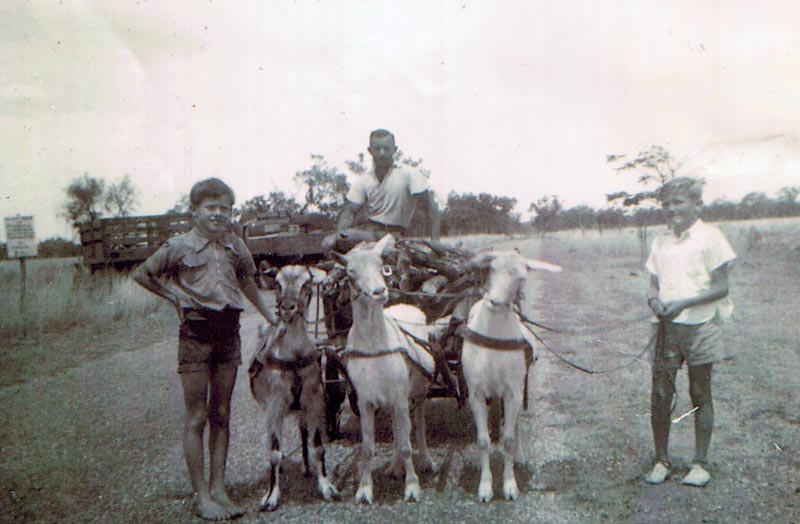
(20, 237)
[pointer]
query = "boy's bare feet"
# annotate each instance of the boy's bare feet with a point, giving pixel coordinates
(221, 497)
(210, 509)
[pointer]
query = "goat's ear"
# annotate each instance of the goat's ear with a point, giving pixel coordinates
(542, 266)
(317, 275)
(480, 260)
(384, 244)
(340, 258)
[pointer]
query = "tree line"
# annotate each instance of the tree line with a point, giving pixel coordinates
(325, 189)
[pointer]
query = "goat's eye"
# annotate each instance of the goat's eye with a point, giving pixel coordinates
(387, 271)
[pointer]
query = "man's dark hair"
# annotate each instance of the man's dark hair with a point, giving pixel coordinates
(691, 187)
(381, 133)
(210, 188)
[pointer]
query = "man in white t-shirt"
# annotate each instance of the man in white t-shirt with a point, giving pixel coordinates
(689, 276)
(389, 193)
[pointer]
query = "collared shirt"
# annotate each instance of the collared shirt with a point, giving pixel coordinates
(683, 266)
(204, 273)
(390, 201)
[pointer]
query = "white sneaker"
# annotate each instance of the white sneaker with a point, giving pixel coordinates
(659, 474)
(697, 476)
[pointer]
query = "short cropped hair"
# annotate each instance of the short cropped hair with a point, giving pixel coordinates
(381, 133)
(691, 187)
(210, 188)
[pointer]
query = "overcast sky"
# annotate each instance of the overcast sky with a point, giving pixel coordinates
(514, 98)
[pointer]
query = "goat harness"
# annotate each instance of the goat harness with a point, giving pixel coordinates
(502, 344)
(264, 360)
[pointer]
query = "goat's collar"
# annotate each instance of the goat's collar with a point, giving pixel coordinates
(286, 365)
(490, 342)
(357, 353)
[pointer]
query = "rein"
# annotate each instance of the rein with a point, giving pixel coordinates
(615, 325)
(528, 323)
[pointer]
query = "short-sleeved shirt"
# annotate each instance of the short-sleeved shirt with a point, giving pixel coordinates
(390, 201)
(204, 273)
(683, 266)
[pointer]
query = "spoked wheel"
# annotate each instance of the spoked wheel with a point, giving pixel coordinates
(335, 393)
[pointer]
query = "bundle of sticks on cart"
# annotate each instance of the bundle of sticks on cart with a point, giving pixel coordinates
(430, 275)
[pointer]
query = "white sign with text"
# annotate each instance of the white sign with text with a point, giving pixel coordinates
(20, 237)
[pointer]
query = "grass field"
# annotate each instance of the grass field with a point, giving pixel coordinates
(91, 412)
(61, 295)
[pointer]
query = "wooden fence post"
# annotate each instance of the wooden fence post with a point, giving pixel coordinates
(23, 295)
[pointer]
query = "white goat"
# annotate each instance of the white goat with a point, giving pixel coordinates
(495, 359)
(285, 374)
(385, 366)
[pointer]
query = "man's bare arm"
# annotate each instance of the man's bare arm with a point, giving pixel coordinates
(346, 218)
(434, 218)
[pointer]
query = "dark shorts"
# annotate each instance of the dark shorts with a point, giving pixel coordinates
(209, 338)
(696, 344)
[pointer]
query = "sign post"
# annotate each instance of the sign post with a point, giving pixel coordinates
(21, 244)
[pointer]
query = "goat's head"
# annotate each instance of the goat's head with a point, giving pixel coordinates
(508, 273)
(293, 287)
(365, 269)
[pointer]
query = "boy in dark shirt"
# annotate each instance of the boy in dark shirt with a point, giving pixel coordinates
(203, 274)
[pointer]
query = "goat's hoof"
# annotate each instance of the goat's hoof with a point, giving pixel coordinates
(485, 492)
(329, 493)
(268, 504)
(413, 493)
(364, 495)
(510, 490)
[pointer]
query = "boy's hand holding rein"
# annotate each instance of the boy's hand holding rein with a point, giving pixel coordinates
(668, 311)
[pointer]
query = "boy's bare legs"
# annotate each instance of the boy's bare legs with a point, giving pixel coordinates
(222, 380)
(660, 403)
(195, 394)
(700, 393)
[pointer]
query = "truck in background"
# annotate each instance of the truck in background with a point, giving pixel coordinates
(122, 243)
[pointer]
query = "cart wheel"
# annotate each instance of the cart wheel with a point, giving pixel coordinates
(335, 393)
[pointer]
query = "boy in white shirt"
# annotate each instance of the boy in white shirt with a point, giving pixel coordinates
(689, 280)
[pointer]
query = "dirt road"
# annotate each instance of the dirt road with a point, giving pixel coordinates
(100, 441)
